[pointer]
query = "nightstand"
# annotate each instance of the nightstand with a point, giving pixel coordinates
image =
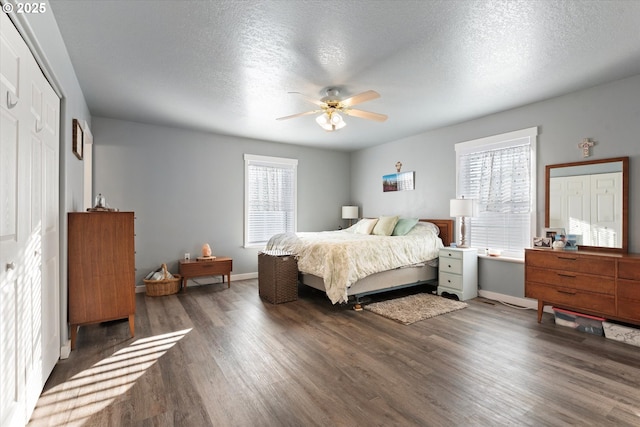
(219, 266)
(458, 272)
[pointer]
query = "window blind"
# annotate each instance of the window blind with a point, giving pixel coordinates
(270, 198)
(499, 174)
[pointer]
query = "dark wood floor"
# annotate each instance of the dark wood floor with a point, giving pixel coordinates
(222, 357)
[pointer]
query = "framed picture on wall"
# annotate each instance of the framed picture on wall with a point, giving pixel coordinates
(78, 139)
(398, 181)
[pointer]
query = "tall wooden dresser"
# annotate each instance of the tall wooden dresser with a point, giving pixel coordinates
(596, 283)
(101, 265)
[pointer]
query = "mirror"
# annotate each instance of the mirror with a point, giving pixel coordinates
(590, 200)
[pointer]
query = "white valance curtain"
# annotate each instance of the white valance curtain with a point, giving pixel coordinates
(499, 179)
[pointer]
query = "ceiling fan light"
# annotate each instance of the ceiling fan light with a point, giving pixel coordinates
(330, 122)
(323, 120)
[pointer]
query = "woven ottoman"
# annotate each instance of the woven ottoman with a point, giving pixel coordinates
(277, 276)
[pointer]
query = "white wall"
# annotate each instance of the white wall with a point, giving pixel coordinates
(187, 189)
(609, 114)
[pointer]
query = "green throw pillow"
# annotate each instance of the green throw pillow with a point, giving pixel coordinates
(404, 226)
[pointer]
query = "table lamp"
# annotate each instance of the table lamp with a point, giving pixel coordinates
(461, 208)
(350, 213)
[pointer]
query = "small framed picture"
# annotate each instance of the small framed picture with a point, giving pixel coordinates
(78, 139)
(571, 242)
(554, 233)
(542, 242)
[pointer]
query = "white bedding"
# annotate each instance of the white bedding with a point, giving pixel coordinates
(343, 257)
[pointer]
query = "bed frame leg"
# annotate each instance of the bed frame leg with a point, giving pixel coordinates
(358, 304)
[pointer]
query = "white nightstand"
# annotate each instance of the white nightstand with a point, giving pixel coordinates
(458, 272)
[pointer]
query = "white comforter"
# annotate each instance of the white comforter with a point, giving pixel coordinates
(342, 257)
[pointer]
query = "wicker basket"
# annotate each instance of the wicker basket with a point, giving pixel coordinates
(277, 276)
(168, 286)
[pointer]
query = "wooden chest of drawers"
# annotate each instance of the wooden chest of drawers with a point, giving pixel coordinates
(601, 284)
(628, 289)
(101, 268)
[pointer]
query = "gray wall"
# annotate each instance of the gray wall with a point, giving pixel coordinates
(609, 114)
(187, 188)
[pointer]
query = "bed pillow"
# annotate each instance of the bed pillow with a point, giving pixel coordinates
(404, 225)
(422, 228)
(365, 225)
(385, 225)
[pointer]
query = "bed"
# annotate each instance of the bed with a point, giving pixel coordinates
(351, 263)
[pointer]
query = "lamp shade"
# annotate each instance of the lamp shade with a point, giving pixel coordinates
(330, 121)
(349, 212)
(461, 207)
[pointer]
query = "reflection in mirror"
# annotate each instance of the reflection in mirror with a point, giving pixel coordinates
(588, 200)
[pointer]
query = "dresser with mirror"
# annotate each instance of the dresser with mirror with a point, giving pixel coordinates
(589, 200)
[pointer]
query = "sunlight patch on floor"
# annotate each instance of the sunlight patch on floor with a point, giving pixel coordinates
(93, 389)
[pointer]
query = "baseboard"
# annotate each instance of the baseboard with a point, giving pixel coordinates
(520, 302)
(65, 350)
(244, 276)
(199, 281)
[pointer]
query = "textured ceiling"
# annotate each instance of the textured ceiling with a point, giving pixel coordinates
(227, 66)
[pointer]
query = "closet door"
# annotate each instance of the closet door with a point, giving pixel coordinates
(606, 214)
(15, 199)
(29, 236)
(42, 317)
(570, 198)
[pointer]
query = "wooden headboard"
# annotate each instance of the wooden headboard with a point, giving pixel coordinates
(447, 229)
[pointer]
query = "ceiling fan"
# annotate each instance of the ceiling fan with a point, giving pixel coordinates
(331, 106)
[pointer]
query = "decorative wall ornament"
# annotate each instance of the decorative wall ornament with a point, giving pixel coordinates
(398, 181)
(398, 166)
(585, 146)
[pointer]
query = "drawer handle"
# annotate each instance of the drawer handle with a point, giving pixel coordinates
(449, 266)
(571, 276)
(567, 258)
(566, 292)
(449, 280)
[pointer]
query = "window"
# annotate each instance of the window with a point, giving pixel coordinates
(499, 173)
(270, 197)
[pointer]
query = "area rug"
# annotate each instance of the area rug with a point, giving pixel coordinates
(413, 308)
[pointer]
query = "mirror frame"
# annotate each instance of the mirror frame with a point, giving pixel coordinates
(625, 200)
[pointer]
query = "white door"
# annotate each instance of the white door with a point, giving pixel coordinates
(29, 234)
(606, 213)
(569, 197)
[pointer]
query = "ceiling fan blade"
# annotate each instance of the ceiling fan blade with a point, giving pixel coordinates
(299, 115)
(360, 98)
(311, 100)
(366, 115)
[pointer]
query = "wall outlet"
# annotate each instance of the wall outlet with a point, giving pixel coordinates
(187, 255)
